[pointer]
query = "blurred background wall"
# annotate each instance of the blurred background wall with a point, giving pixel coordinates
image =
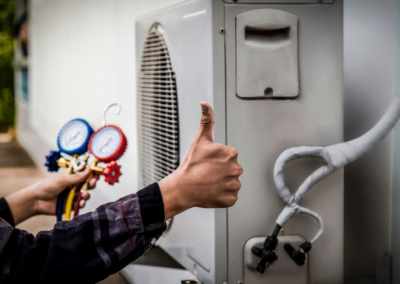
(81, 59)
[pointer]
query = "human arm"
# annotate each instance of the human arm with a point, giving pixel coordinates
(89, 247)
(41, 197)
(94, 245)
(5, 212)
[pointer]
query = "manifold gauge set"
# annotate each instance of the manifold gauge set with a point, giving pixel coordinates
(76, 143)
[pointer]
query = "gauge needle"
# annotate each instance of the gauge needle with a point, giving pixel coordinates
(74, 136)
(105, 144)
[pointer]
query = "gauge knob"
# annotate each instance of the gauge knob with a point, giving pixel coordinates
(112, 172)
(79, 165)
(108, 143)
(74, 136)
(51, 161)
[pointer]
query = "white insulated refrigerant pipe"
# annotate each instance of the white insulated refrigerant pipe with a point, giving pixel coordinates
(336, 157)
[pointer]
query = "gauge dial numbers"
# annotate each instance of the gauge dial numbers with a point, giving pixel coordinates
(108, 143)
(74, 137)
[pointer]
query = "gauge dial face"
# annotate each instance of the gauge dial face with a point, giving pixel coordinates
(105, 142)
(74, 135)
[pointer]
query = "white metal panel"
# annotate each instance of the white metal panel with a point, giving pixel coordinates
(267, 127)
(191, 239)
(145, 274)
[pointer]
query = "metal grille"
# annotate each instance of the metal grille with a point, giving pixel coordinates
(158, 110)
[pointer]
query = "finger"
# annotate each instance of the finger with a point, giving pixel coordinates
(235, 171)
(82, 203)
(85, 195)
(233, 153)
(205, 132)
(82, 176)
(92, 183)
(76, 178)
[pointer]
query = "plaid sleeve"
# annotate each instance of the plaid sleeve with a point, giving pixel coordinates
(88, 248)
(5, 212)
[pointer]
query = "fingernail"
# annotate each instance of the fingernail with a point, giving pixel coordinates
(204, 108)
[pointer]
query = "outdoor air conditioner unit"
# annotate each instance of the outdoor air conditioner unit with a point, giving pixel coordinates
(272, 71)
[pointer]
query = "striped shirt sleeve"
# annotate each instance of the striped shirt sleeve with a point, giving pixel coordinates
(88, 248)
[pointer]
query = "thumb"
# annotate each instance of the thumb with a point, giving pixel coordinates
(75, 178)
(207, 123)
(81, 176)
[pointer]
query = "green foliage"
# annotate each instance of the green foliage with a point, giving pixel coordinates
(6, 50)
(7, 8)
(7, 107)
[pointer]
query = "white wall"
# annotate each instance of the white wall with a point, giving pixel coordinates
(82, 58)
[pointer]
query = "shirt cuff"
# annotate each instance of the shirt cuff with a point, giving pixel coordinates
(5, 212)
(151, 205)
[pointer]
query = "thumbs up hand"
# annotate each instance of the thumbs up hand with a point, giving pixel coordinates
(208, 175)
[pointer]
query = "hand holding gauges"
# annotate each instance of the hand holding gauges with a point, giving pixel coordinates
(107, 145)
(72, 140)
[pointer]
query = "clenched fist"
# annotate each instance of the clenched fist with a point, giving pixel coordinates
(208, 175)
(41, 198)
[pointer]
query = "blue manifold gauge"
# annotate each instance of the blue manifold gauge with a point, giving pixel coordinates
(74, 137)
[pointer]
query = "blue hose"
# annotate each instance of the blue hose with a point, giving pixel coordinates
(60, 202)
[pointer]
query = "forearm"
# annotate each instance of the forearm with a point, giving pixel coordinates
(22, 204)
(88, 248)
(174, 195)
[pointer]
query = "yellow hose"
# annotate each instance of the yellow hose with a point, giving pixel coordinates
(70, 201)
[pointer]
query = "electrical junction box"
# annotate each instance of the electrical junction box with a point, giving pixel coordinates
(272, 71)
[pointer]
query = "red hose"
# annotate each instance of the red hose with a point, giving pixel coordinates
(77, 207)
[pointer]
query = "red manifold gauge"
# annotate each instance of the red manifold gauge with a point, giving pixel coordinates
(108, 143)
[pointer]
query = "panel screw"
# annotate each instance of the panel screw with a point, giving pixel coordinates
(222, 30)
(239, 282)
